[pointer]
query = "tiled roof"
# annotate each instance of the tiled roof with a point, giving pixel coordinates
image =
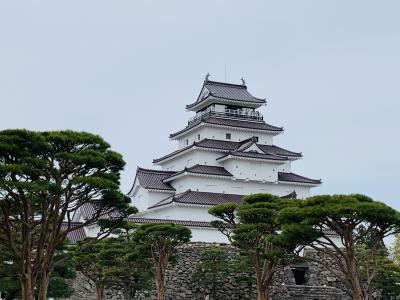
(226, 146)
(236, 92)
(209, 170)
(200, 198)
(278, 151)
(292, 195)
(230, 123)
(139, 220)
(232, 146)
(89, 209)
(74, 235)
(291, 177)
(206, 198)
(153, 179)
(231, 91)
(256, 155)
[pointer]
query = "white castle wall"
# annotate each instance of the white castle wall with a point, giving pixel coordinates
(180, 212)
(253, 170)
(144, 198)
(229, 186)
(237, 135)
(192, 158)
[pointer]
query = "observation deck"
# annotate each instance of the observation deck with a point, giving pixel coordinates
(231, 113)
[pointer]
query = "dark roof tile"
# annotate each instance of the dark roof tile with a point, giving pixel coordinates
(139, 220)
(209, 170)
(207, 198)
(74, 235)
(256, 155)
(292, 195)
(226, 146)
(236, 92)
(153, 179)
(291, 177)
(200, 198)
(231, 91)
(230, 123)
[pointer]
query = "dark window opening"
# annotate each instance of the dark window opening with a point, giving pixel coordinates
(228, 136)
(299, 274)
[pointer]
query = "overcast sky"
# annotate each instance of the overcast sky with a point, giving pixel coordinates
(330, 71)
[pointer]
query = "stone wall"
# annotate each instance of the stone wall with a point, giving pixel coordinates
(319, 283)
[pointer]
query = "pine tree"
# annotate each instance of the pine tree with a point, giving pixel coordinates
(45, 177)
(162, 240)
(211, 269)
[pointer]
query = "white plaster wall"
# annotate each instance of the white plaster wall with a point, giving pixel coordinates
(192, 158)
(286, 167)
(143, 199)
(92, 231)
(220, 134)
(240, 187)
(253, 170)
(209, 235)
(179, 212)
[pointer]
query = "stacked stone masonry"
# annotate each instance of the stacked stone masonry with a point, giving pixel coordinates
(320, 284)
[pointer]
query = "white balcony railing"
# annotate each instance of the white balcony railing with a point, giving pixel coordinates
(235, 113)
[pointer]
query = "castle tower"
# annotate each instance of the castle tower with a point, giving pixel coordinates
(225, 152)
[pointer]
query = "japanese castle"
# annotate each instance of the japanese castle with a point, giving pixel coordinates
(225, 152)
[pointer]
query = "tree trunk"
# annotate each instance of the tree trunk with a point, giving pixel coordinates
(160, 274)
(353, 274)
(43, 286)
(160, 292)
(261, 291)
(160, 283)
(99, 291)
(27, 288)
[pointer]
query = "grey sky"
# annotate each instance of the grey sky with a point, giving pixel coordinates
(125, 70)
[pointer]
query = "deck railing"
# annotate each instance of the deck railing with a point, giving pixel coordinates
(235, 113)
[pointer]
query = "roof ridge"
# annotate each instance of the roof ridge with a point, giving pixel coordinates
(239, 85)
(303, 177)
(240, 123)
(250, 139)
(192, 167)
(287, 150)
(154, 170)
(202, 192)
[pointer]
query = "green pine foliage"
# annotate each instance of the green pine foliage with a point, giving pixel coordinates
(244, 272)
(44, 178)
(116, 263)
(356, 219)
(212, 269)
(60, 279)
(254, 228)
(162, 240)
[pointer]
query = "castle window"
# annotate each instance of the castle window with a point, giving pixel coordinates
(198, 137)
(228, 136)
(186, 142)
